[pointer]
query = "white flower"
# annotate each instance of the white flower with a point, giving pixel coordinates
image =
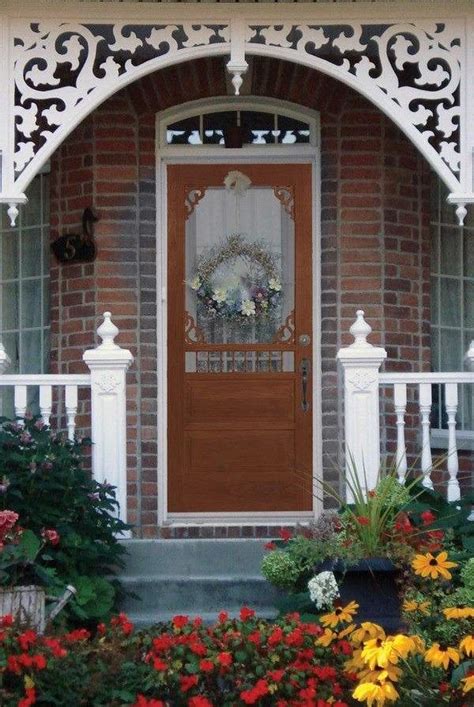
(274, 284)
(323, 590)
(219, 294)
(248, 307)
(195, 283)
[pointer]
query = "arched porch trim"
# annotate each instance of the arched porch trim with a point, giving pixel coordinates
(60, 68)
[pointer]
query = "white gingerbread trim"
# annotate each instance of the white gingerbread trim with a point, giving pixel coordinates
(413, 62)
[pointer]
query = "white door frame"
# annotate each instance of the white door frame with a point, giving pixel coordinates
(166, 155)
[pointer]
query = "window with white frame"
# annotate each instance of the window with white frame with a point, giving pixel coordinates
(452, 299)
(24, 287)
(259, 122)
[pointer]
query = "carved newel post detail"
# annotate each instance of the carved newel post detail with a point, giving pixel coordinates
(108, 365)
(361, 362)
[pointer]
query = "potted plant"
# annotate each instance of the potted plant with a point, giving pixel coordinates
(24, 571)
(365, 546)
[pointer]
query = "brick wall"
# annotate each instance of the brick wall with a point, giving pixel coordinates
(374, 242)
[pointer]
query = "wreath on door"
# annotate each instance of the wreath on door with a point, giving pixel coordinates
(238, 280)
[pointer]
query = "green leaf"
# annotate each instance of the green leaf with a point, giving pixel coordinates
(240, 656)
(30, 544)
(461, 671)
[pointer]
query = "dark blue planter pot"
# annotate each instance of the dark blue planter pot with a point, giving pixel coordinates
(372, 584)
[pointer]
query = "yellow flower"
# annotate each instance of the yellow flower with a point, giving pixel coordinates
(367, 631)
(340, 614)
(467, 645)
(326, 638)
(346, 631)
(437, 656)
(468, 684)
(391, 672)
(379, 653)
(355, 662)
(423, 606)
(459, 612)
(372, 693)
(430, 566)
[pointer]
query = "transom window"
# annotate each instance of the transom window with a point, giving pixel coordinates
(256, 121)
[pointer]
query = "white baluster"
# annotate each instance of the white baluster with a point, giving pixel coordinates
(71, 409)
(400, 401)
(425, 410)
(454, 492)
(46, 402)
(4, 359)
(20, 402)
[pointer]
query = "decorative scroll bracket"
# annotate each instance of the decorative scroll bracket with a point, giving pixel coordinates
(58, 64)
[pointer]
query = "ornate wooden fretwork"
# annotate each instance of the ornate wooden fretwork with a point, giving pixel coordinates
(286, 333)
(286, 196)
(192, 333)
(192, 198)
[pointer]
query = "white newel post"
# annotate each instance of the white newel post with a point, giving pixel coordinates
(361, 362)
(108, 365)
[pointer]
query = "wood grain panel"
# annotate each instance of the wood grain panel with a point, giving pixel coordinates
(254, 451)
(240, 400)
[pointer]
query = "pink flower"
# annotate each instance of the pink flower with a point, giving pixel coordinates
(7, 520)
(50, 536)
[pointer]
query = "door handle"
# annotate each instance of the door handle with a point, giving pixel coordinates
(305, 368)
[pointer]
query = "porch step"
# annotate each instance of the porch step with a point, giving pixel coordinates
(195, 577)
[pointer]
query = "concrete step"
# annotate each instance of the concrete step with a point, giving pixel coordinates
(195, 578)
(193, 557)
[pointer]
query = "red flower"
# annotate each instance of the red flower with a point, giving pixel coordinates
(225, 659)
(363, 520)
(29, 699)
(198, 648)
(55, 647)
(101, 629)
(295, 638)
(199, 701)
(427, 517)
(270, 545)
(142, 701)
(180, 621)
(444, 687)
(6, 621)
(124, 623)
(255, 638)
(50, 536)
(285, 534)
(26, 640)
(246, 613)
(159, 664)
(403, 524)
(79, 634)
(250, 697)
(206, 666)
(276, 675)
(197, 622)
(275, 637)
(223, 616)
(186, 682)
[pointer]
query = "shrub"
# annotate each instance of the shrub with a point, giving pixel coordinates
(44, 482)
(280, 569)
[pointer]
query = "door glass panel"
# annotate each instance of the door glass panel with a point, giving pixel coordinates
(240, 278)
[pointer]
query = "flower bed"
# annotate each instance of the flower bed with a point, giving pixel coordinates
(248, 661)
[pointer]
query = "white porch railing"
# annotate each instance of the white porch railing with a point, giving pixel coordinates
(108, 364)
(363, 381)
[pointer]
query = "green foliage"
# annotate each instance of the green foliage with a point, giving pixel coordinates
(467, 574)
(45, 483)
(280, 569)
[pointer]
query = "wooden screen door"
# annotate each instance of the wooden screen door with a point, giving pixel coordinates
(239, 338)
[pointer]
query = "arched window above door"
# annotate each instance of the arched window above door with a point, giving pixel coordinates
(224, 122)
